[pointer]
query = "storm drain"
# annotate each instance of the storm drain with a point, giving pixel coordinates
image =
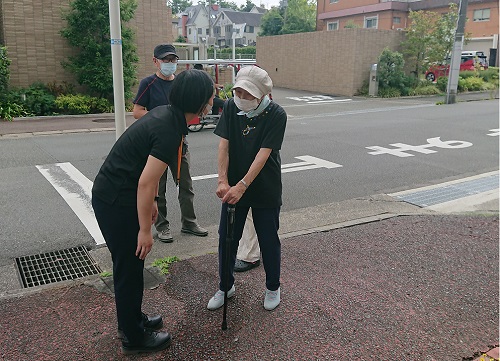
(51, 267)
(451, 192)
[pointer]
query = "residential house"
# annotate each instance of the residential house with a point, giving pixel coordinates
(482, 15)
(197, 21)
(246, 25)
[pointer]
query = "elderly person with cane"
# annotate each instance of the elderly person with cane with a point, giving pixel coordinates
(124, 199)
(252, 128)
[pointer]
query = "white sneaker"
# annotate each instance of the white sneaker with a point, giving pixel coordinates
(272, 299)
(218, 300)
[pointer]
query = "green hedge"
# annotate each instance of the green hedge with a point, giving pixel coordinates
(82, 104)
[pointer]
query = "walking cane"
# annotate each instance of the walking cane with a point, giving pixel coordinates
(229, 239)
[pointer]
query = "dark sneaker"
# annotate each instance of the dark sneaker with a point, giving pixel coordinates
(153, 341)
(242, 266)
(196, 230)
(149, 322)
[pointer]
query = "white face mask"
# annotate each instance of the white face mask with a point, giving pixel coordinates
(168, 69)
(246, 105)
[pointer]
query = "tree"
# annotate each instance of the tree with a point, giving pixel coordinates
(429, 38)
(88, 31)
(178, 6)
(300, 17)
(247, 7)
(271, 22)
(351, 25)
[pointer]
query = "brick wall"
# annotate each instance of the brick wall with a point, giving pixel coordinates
(326, 62)
(31, 32)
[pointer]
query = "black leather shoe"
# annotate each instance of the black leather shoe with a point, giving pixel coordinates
(242, 266)
(196, 230)
(153, 341)
(149, 322)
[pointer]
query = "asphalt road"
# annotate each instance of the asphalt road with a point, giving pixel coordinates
(436, 143)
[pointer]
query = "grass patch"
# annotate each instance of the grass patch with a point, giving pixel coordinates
(164, 263)
(106, 274)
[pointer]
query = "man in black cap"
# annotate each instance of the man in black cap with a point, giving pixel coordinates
(153, 91)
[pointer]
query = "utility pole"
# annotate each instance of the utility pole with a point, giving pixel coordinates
(117, 65)
(456, 54)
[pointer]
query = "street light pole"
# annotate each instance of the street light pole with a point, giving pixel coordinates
(117, 65)
(456, 54)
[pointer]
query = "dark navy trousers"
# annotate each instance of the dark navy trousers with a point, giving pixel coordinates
(266, 222)
(120, 226)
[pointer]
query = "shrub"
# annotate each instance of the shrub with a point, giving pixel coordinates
(425, 90)
(36, 99)
(390, 69)
(489, 75)
(60, 89)
(364, 89)
(472, 83)
(442, 83)
(389, 92)
(468, 74)
(10, 110)
(4, 69)
(82, 104)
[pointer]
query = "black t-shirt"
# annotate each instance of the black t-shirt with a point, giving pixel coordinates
(153, 91)
(158, 133)
(246, 137)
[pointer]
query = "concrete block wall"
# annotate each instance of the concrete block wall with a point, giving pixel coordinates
(326, 62)
(31, 32)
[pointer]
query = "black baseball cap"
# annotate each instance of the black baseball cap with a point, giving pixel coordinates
(162, 50)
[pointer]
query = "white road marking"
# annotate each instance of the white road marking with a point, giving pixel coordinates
(76, 190)
(494, 132)
(307, 163)
(400, 149)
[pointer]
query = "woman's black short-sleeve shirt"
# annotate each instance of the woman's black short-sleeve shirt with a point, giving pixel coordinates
(159, 134)
(246, 137)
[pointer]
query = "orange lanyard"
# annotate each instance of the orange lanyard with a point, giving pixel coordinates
(179, 156)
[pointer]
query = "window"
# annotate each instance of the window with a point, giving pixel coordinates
(334, 25)
(334, 1)
(249, 29)
(200, 31)
(189, 31)
(482, 15)
(207, 32)
(371, 23)
(396, 20)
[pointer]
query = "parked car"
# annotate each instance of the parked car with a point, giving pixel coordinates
(468, 62)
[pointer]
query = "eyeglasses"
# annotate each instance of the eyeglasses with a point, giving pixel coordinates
(168, 59)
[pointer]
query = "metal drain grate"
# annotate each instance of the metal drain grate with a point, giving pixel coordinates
(451, 192)
(51, 267)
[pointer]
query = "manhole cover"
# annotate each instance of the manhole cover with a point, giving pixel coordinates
(103, 120)
(63, 265)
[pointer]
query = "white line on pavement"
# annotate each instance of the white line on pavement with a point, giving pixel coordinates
(75, 189)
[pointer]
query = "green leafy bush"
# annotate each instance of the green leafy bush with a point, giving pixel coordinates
(9, 111)
(468, 74)
(389, 92)
(36, 99)
(442, 83)
(425, 90)
(489, 75)
(4, 70)
(82, 104)
(473, 83)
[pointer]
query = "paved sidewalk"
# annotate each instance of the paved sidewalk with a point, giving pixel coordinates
(371, 278)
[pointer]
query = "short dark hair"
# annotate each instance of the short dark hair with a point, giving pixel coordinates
(198, 66)
(191, 90)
